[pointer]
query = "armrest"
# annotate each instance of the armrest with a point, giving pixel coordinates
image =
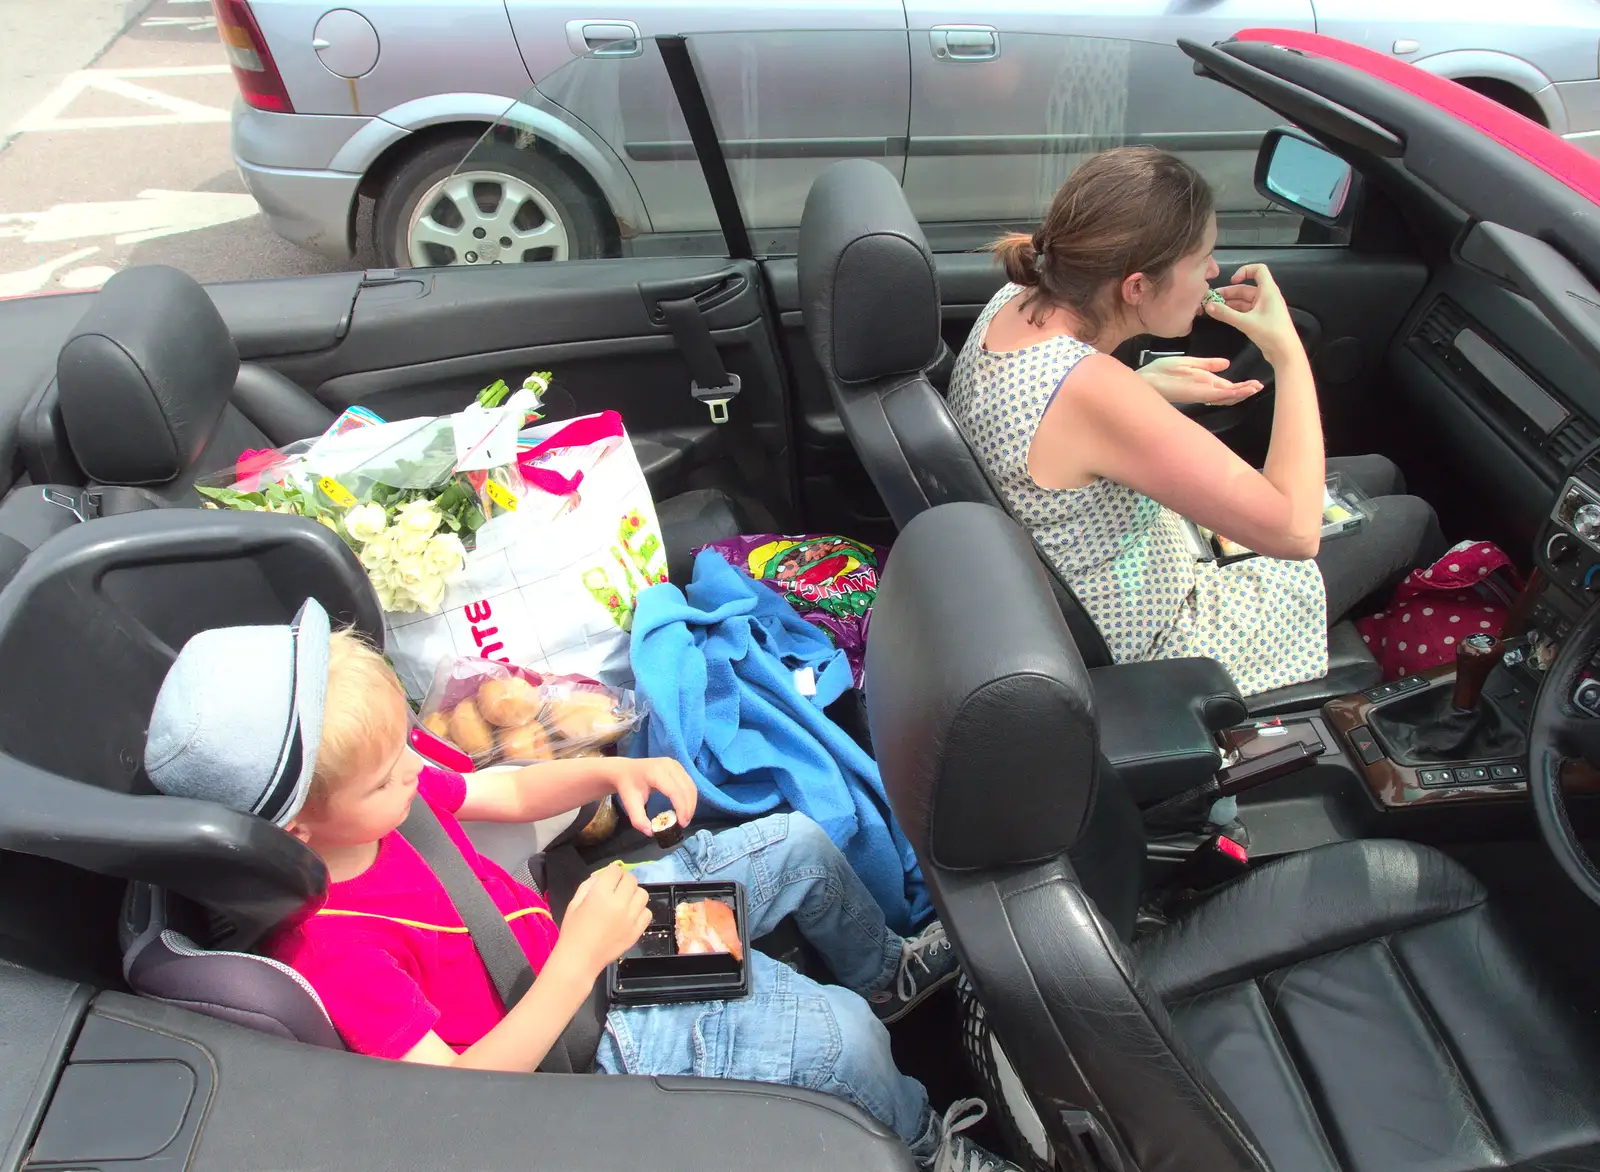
(280, 407)
(1159, 720)
(270, 1104)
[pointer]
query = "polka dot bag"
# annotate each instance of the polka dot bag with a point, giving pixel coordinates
(1466, 592)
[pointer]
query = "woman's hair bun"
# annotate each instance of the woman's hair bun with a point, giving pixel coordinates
(1019, 256)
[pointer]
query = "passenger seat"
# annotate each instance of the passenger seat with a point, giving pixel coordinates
(150, 396)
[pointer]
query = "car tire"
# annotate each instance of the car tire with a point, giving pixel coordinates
(509, 205)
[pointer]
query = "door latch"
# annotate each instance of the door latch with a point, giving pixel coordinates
(604, 38)
(965, 42)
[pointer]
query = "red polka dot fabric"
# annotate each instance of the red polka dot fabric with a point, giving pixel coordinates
(1461, 594)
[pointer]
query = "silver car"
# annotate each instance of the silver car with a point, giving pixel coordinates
(386, 99)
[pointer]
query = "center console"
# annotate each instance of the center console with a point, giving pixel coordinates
(1393, 732)
(1449, 743)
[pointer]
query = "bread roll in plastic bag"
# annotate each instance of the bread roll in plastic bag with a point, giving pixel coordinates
(499, 714)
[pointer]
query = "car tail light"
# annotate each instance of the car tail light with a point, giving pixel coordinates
(253, 67)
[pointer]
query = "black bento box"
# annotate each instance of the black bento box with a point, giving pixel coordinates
(652, 972)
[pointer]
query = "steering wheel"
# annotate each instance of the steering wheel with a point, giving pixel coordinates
(1562, 733)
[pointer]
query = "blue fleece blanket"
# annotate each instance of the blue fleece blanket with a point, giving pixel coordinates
(718, 670)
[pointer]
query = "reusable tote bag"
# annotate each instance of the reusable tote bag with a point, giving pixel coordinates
(551, 584)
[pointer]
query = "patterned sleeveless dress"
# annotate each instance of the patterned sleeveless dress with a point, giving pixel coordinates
(1126, 557)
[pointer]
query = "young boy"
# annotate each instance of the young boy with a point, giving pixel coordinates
(309, 729)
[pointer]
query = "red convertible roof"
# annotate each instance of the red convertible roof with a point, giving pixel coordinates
(1549, 152)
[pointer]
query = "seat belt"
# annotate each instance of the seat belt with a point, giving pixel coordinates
(711, 383)
(497, 946)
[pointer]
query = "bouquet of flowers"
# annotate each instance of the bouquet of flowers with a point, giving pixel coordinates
(407, 497)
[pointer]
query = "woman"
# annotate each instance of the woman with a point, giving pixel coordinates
(1102, 467)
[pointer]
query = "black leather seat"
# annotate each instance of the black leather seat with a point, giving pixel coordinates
(1358, 1007)
(150, 396)
(870, 295)
(150, 393)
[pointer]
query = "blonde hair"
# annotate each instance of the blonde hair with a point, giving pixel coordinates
(364, 715)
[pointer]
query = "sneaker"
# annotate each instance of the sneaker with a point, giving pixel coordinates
(927, 964)
(956, 1152)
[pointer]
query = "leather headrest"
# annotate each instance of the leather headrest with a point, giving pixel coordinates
(145, 376)
(868, 288)
(981, 710)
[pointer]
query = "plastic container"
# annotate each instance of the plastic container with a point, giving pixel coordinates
(652, 972)
(1345, 507)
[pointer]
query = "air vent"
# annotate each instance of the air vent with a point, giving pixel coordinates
(1571, 440)
(1440, 325)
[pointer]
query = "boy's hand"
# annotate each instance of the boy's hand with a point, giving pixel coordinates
(607, 915)
(635, 780)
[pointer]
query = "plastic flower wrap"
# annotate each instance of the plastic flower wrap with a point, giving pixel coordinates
(407, 497)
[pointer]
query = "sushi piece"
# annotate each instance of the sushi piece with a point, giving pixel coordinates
(665, 828)
(707, 925)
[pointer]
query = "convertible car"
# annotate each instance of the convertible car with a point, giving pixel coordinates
(1397, 974)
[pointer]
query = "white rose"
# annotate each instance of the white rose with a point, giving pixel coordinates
(419, 517)
(429, 593)
(365, 522)
(386, 598)
(445, 555)
(410, 571)
(377, 552)
(410, 543)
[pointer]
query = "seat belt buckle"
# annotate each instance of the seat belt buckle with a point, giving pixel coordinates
(717, 399)
(1213, 863)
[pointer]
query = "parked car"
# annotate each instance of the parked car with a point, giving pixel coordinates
(381, 98)
(1354, 999)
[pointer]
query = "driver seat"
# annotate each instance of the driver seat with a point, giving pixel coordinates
(870, 295)
(1359, 1006)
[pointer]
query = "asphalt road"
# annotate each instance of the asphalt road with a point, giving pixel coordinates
(114, 115)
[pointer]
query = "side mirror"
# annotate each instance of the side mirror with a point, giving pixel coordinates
(1299, 173)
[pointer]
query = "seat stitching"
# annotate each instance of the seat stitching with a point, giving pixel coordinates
(1442, 1041)
(1294, 1066)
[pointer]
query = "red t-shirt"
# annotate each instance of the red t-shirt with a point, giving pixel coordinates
(388, 954)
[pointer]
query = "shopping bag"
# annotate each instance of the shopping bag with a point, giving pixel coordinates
(550, 584)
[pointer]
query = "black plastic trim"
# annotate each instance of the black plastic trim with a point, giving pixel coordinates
(1303, 106)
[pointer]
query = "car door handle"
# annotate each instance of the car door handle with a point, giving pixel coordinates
(964, 42)
(604, 38)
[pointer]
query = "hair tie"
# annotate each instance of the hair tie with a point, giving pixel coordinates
(1038, 262)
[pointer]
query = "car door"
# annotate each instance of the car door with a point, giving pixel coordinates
(792, 83)
(999, 116)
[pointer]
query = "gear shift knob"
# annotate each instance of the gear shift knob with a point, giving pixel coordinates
(1476, 656)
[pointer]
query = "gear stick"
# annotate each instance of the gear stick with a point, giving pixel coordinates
(1438, 727)
(1476, 656)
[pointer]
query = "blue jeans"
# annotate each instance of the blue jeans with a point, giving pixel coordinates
(790, 1029)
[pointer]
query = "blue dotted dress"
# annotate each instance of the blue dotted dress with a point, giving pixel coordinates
(1126, 557)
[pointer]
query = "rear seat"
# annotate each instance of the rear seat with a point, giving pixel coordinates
(150, 396)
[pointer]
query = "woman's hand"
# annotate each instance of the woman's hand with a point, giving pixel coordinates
(607, 915)
(1182, 378)
(1259, 312)
(636, 779)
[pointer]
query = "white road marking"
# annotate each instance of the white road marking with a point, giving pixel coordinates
(192, 23)
(32, 280)
(153, 215)
(88, 277)
(47, 115)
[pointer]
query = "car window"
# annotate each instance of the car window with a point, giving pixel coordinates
(981, 127)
